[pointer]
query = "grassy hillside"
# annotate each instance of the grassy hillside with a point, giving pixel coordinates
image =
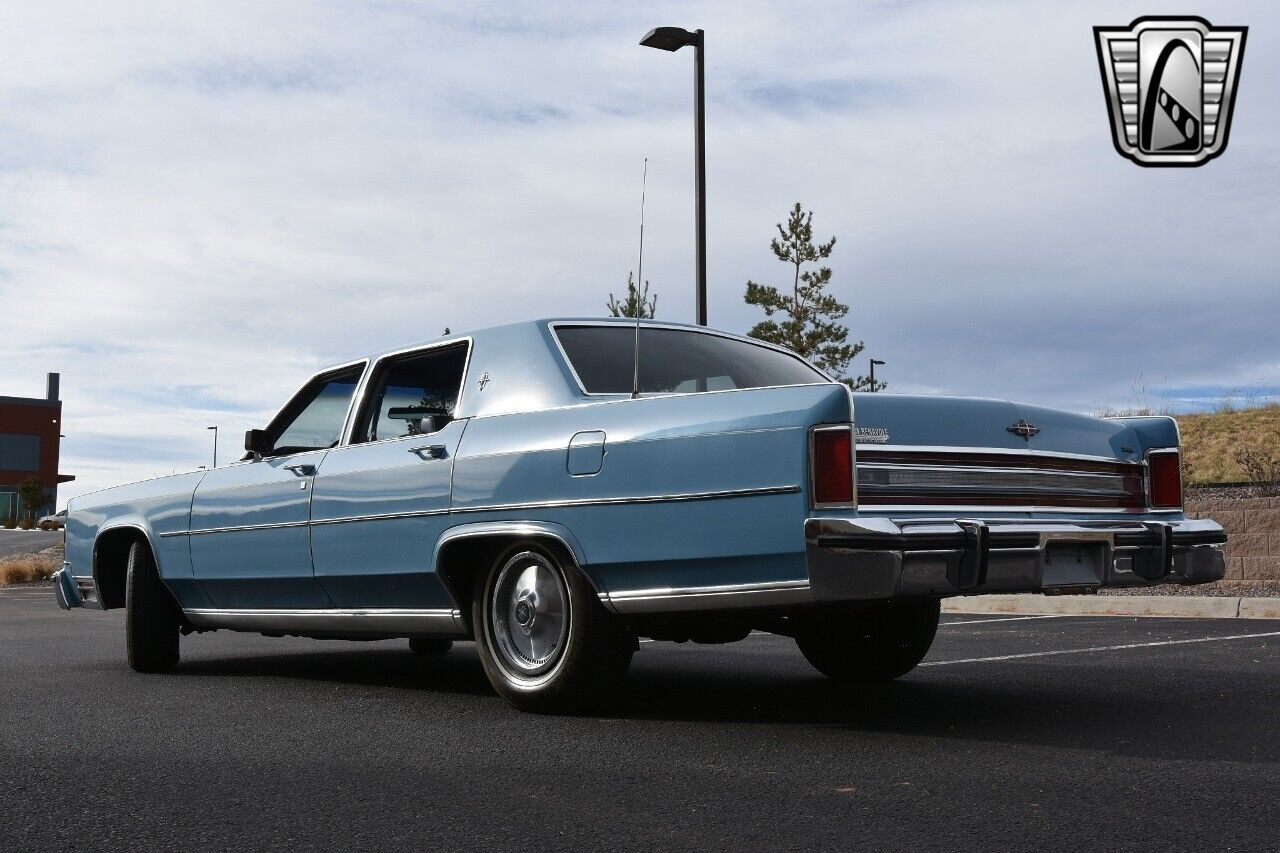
(1211, 441)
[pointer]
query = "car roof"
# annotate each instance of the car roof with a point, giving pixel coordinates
(521, 364)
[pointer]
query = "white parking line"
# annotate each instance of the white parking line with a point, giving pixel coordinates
(1101, 649)
(1002, 619)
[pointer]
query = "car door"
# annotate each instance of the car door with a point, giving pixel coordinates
(250, 542)
(381, 501)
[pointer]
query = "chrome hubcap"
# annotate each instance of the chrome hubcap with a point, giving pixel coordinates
(530, 614)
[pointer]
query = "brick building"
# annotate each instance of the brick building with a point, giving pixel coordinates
(29, 433)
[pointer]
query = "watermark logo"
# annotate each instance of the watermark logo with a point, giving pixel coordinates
(1170, 85)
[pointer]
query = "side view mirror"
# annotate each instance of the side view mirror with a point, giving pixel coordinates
(257, 442)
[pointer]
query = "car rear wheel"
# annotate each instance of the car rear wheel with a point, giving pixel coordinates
(152, 619)
(878, 644)
(546, 642)
(429, 645)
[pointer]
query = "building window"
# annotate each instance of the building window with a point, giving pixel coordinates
(19, 452)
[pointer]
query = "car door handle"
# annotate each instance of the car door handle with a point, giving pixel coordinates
(430, 451)
(302, 470)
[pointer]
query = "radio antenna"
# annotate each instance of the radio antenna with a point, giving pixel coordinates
(635, 374)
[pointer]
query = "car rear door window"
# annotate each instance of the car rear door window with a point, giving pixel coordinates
(415, 394)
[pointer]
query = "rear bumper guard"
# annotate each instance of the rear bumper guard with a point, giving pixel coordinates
(875, 558)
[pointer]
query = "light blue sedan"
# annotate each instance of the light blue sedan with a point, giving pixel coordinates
(555, 490)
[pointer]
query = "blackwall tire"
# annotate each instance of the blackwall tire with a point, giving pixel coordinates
(872, 645)
(546, 642)
(152, 619)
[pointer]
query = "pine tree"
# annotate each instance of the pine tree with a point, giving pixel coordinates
(809, 323)
(637, 304)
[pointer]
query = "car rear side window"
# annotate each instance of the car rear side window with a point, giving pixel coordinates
(676, 361)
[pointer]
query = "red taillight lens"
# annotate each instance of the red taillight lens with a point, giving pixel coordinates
(833, 466)
(1165, 470)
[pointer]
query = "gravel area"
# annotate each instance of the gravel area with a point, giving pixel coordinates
(1222, 589)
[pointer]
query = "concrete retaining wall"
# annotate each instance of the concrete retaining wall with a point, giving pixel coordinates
(1253, 534)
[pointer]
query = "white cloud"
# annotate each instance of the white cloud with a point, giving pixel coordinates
(200, 204)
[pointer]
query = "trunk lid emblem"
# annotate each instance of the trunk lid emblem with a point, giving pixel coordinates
(1024, 429)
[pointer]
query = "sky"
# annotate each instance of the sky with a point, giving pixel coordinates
(202, 204)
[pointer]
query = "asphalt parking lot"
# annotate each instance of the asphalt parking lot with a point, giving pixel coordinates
(16, 542)
(1049, 732)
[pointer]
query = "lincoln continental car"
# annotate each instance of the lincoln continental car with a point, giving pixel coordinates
(556, 490)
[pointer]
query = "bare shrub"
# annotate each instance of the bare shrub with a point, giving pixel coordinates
(1261, 466)
(28, 568)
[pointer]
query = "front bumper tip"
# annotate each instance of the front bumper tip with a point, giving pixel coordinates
(66, 590)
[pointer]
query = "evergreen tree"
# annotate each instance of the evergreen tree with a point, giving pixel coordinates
(31, 495)
(809, 317)
(637, 304)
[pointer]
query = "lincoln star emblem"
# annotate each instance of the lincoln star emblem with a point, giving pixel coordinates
(484, 380)
(1170, 85)
(1023, 429)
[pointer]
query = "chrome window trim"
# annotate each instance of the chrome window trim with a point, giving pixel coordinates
(363, 388)
(853, 459)
(596, 324)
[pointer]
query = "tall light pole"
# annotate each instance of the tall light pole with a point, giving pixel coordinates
(672, 39)
(874, 362)
(215, 445)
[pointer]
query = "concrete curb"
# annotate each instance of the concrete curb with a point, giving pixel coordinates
(1197, 607)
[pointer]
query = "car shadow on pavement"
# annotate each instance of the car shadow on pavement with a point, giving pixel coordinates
(1075, 707)
(1210, 716)
(456, 672)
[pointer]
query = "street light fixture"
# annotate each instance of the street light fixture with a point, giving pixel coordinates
(874, 362)
(672, 39)
(215, 445)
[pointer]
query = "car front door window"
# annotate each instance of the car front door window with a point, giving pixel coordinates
(313, 420)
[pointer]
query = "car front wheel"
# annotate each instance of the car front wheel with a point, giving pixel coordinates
(546, 642)
(152, 619)
(865, 645)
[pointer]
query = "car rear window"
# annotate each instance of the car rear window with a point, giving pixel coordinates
(676, 361)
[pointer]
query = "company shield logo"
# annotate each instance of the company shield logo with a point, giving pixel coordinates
(1170, 85)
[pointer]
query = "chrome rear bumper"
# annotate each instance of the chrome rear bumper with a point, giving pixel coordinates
(876, 558)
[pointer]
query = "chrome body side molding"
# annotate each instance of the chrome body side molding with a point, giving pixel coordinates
(731, 596)
(337, 623)
(580, 502)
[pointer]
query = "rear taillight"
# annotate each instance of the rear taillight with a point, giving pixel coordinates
(1164, 468)
(832, 465)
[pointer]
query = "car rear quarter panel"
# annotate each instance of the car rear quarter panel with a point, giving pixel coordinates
(645, 519)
